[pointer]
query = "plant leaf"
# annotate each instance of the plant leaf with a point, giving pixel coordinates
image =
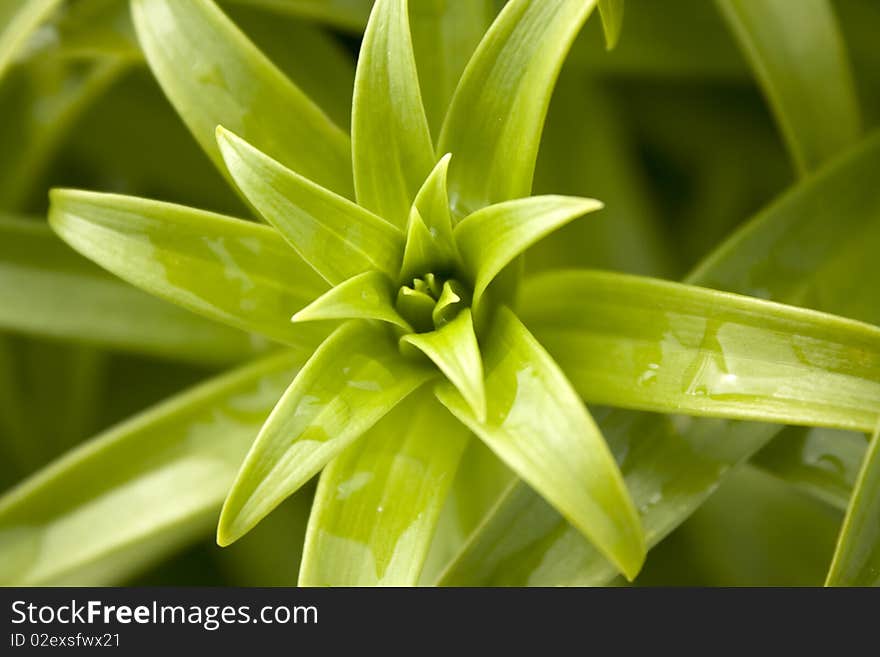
(673, 464)
(432, 204)
(233, 271)
(541, 429)
(46, 289)
(453, 348)
(379, 501)
(214, 75)
(366, 296)
(652, 345)
(494, 121)
(479, 482)
(776, 254)
(430, 245)
(313, 58)
(445, 35)
(419, 251)
(102, 512)
(18, 20)
(799, 58)
(336, 237)
(350, 382)
(391, 143)
(611, 12)
(490, 239)
(857, 557)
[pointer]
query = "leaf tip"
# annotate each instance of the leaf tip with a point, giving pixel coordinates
(223, 136)
(230, 527)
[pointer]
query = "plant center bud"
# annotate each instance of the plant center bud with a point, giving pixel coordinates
(431, 301)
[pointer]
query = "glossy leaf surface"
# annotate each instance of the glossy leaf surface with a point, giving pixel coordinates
(234, 271)
(494, 122)
(611, 12)
(432, 204)
(366, 296)
(454, 350)
(214, 75)
(391, 142)
(336, 237)
(490, 239)
(102, 512)
(47, 289)
(652, 345)
(538, 425)
(379, 501)
(354, 378)
(673, 464)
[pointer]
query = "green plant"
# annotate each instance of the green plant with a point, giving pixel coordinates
(411, 327)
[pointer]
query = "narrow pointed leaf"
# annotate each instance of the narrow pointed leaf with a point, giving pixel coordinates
(140, 490)
(538, 425)
(18, 20)
(432, 204)
(611, 12)
(445, 35)
(46, 289)
(857, 557)
(491, 238)
(313, 58)
(366, 296)
(391, 143)
(799, 58)
(673, 463)
(419, 254)
(452, 297)
(379, 501)
(233, 271)
(351, 381)
(454, 349)
(214, 75)
(653, 345)
(481, 479)
(493, 126)
(336, 237)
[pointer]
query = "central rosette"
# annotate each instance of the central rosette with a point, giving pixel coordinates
(432, 301)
